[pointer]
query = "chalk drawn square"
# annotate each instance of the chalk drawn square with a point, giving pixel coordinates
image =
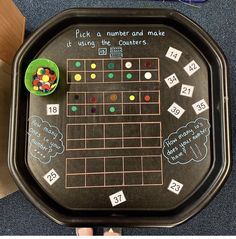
(172, 80)
(52, 109)
(187, 90)
(175, 186)
(191, 68)
(102, 51)
(173, 54)
(51, 177)
(176, 110)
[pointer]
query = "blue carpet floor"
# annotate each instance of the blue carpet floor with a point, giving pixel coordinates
(218, 18)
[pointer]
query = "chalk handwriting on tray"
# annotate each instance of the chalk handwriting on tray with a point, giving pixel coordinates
(45, 140)
(188, 143)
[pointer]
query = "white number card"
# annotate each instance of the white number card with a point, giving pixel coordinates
(117, 198)
(176, 110)
(175, 186)
(173, 54)
(200, 106)
(52, 109)
(172, 80)
(191, 68)
(187, 90)
(51, 177)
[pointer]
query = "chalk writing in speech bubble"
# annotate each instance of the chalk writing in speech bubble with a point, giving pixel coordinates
(45, 140)
(188, 143)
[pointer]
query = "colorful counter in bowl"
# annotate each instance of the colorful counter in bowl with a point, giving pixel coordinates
(42, 77)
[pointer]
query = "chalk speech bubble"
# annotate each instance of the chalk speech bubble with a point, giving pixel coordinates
(188, 143)
(45, 140)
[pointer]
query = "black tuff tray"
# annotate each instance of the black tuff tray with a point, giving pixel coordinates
(137, 132)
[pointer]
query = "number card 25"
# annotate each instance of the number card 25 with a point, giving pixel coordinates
(51, 177)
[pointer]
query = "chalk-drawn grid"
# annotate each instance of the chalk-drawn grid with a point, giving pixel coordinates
(94, 136)
(123, 105)
(91, 172)
(138, 70)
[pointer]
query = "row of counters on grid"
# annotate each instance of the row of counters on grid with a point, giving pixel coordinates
(124, 97)
(113, 103)
(113, 110)
(112, 64)
(111, 77)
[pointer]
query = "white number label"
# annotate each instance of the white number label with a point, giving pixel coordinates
(172, 80)
(173, 54)
(175, 187)
(117, 198)
(51, 177)
(200, 106)
(176, 110)
(191, 68)
(53, 109)
(187, 90)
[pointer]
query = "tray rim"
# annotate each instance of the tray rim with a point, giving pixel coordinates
(141, 14)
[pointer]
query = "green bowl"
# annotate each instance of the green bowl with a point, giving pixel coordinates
(32, 69)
